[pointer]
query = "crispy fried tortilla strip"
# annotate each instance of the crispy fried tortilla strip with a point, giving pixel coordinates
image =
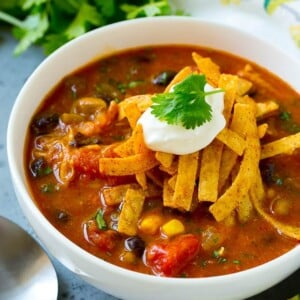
(229, 83)
(172, 170)
(229, 157)
(250, 74)
(125, 148)
(131, 210)
(208, 68)
(228, 161)
(262, 130)
(285, 145)
(116, 194)
(129, 165)
(232, 140)
(182, 74)
(166, 159)
(185, 183)
(247, 172)
(141, 179)
(132, 113)
(245, 209)
(244, 86)
(168, 193)
(139, 145)
(142, 102)
(209, 172)
(135, 144)
(265, 109)
(172, 181)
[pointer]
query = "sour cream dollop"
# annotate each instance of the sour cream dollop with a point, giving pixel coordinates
(176, 139)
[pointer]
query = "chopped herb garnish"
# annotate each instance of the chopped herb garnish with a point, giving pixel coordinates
(236, 262)
(186, 104)
(130, 85)
(39, 167)
(100, 220)
(53, 23)
(222, 260)
(219, 252)
(288, 123)
(285, 116)
(49, 188)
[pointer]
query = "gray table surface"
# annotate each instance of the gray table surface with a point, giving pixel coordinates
(13, 73)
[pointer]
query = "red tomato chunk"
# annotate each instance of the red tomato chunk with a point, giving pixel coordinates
(169, 258)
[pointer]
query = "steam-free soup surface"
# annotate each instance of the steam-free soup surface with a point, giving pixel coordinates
(72, 198)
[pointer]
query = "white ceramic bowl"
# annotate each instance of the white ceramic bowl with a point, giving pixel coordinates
(166, 30)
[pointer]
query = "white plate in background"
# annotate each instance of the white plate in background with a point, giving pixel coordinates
(277, 21)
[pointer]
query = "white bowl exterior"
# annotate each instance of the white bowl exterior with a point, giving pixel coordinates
(125, 35)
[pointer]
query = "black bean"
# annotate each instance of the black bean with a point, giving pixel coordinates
(44, 123)
(269, 173)
(135, 244)
(62, 216)
(39, 167)
(164, 78)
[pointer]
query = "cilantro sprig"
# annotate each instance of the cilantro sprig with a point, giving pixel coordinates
(51, 23)
(186, 104)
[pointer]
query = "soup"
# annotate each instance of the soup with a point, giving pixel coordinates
(83, 130)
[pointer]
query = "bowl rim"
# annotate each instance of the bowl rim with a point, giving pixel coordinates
(21, 187)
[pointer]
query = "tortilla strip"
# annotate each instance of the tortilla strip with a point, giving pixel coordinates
(244, 86)
(125, 148)
(142, 102)
(185, 183)
(172, 181)
(141, 179)
(130, 213)
(168, 193)
(132, 113)
(247, 172)
(172, 170)
(209, 172)
(262, 130)
(228, 161)
(135, 144)
(245, 209)
(232, 140)
(265, 109)
(182, 74)
(116, 194)
(250, 74)
(229, 157)
(285, 145)
(129, 165)
(166, 159)
(229, 83)
(208, 68)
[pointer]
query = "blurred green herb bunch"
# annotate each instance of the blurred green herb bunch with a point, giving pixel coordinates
(52, 23)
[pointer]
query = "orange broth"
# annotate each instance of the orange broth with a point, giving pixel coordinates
(70, 207)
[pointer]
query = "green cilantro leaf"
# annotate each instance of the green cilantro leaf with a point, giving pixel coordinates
(186, 105)
(31, 30)
(86, 15)
(100, 219)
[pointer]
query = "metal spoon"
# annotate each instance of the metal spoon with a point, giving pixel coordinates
(26, 271)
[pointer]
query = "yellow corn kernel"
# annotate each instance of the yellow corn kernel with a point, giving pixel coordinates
(150, 224)
(128, 257)
(173, 227)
